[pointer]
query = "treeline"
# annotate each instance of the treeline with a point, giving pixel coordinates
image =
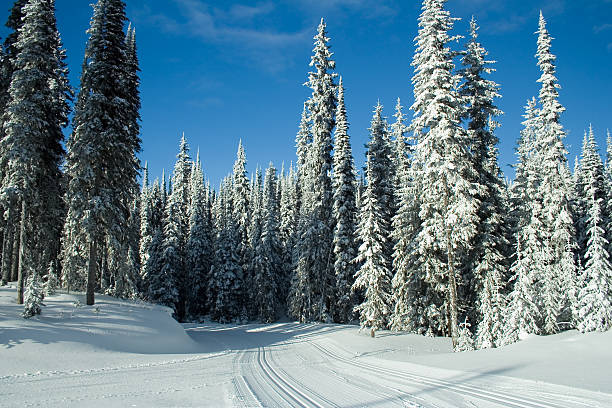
(432, 240)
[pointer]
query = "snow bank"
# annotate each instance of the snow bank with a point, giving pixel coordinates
(570, 358)
(69, 331)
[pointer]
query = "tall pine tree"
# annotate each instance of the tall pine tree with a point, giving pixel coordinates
(31, 149)
(374, 275)
(449, 208)
(557, 280)
(314, 279)
(101, 164)
(344, 213)
(486, 263)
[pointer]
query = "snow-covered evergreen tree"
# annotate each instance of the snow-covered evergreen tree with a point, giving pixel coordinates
(226, 275)
(9, 52)
(101, 164)
(179, 200)
(34, 296)
(165, 288)
(289, 213)
(151, 267)
(374, 274)
(522, 191)
(240, 212)
(146, 226)
(401, 149)
(522, 313)
(199, 244)
(52, 282)
(590, 179)
(448, 206)
(608, 181)
(132, 85)
(380, 155)
(303, 140)
(344, 213)
(267, 260)
(31, 150)
(465, 342)
(314, 269)
(255, 228)
(594, 304)
(485, 265)
(411, 294)
(558, 275)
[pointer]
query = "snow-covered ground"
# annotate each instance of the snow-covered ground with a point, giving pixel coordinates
(118, 354)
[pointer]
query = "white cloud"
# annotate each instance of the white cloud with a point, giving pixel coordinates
(233, 28)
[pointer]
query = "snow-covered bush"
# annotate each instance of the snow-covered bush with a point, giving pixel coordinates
(465, 342)
(33, 297)
(52, 282)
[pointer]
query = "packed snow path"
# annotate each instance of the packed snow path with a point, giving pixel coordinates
(119, 354)
(302, 366)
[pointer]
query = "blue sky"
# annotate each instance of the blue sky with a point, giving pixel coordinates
(230, 70)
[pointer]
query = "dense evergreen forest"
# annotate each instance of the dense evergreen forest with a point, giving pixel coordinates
(430, 239)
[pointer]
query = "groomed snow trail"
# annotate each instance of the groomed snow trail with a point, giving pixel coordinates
(131, 354)
(296, 365)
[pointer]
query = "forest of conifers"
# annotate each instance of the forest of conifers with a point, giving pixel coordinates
(430, 239)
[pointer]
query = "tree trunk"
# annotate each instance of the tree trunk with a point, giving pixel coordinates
(15, 255)
(20, 271)
(7, 251)
(92, 272)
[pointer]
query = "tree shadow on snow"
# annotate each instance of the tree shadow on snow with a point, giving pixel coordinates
(224, 337)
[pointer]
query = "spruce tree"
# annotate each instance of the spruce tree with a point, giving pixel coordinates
(374, 275)
(34, 296)
(408, 286)
(594, 305)
(608, 203)
(466, 340)
(522, 191)
(31, 149)
(199, 245)
(52, 282)
(9, 53)
(303, 141)
(314, 264)
(380, 154)
(401, 148)
(448, 206)
(179, 199)
(164, 287)
(240, 212)
(344, 213)
(101, 164)
(226, 275)
(150, 274)
(146, 227)
(590, 179)
(267, 260)
(522, 313)
(579, 197)
(486, 263)
(10, 236)
(289, 213)
(558, 228)
(254, 236)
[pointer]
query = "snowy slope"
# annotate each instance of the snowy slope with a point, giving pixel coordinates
(121, 353)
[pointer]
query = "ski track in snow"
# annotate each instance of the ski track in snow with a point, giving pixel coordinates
(248, 366)
(404, 378)
(302, 371)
